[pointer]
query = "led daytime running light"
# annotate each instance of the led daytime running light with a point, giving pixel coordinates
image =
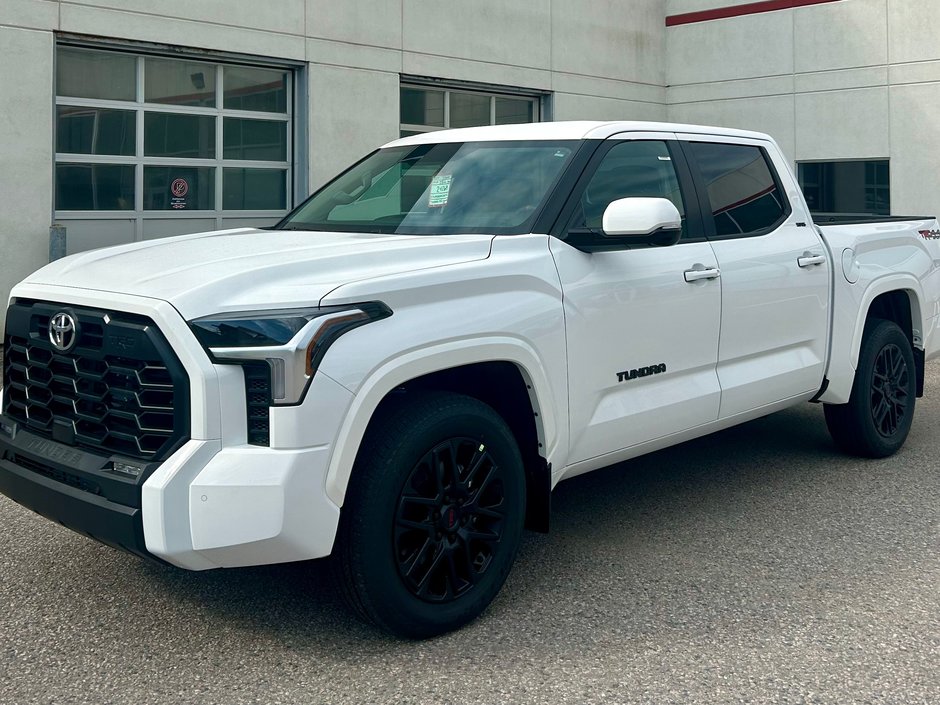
(294, 363)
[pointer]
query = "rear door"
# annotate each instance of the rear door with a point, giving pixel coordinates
(775, 273)
(642, 340)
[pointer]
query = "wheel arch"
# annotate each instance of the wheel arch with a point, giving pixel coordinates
(877, 419)
(900, 304)
(512, 377)
(895, 298)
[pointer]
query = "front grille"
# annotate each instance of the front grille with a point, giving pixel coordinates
(68, 478)
(258, 399)
(120, 389)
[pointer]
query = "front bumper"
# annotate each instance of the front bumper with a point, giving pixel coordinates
(214, 507)
(204, 507)
(216, 501)
(67, 494)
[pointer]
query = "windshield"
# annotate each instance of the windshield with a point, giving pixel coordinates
(461, 187)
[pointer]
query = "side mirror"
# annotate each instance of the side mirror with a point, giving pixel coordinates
(654, 221)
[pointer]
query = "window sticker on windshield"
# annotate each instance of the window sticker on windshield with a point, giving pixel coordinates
(440, 191)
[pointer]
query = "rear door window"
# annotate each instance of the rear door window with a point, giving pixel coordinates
(744, 195)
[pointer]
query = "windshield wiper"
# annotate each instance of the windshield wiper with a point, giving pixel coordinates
(347, 228)
(300, 227)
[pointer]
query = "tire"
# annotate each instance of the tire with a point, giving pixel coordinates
(421, 552)
(878, 416)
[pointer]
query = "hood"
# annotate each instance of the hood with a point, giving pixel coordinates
(244, 269)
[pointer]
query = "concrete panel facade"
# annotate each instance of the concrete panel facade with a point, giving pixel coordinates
(623, 41)
(26, 123)
(817, 110)
(910, 22)
(594, 60)
(377, 23)
(368, 118)
(863, 36)
(915, 146)
(753, 46)
(186, 29)
(773, 113)
(508, 33)
(573, 106)
(831, 81)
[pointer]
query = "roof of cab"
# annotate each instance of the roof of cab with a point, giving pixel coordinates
(572, 130)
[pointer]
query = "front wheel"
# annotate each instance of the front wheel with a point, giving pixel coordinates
(878, 416)
(433, 516)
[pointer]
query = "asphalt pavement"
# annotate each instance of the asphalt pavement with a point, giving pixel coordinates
(754, 566)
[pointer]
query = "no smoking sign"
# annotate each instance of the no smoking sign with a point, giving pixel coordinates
(178, 190)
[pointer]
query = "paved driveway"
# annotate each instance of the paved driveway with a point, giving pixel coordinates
(758, 565)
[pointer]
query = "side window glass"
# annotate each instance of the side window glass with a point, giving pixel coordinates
(629, 170)
(743, 195)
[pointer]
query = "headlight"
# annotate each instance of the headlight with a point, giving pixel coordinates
(292, 342)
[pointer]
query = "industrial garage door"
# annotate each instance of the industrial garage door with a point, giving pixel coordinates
(149, 146)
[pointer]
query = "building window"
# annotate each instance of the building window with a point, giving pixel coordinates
(858, 187)
(427, 108)
(146, 137)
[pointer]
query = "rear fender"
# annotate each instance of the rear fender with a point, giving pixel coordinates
(849, 326)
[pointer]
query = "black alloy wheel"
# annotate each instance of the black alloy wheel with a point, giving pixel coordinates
(433, 514)
(878, 416)
(889, 390)
(450, 520)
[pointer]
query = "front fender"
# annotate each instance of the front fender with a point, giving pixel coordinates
(416, 363)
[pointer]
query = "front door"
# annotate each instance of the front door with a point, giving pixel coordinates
(642, 340)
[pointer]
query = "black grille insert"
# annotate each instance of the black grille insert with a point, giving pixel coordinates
(258, 402)
(120, 389)
(68, 478)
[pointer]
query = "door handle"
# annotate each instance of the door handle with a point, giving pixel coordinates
(699, 272)
(810, 260)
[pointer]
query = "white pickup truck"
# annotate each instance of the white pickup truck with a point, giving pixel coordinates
(399, 372)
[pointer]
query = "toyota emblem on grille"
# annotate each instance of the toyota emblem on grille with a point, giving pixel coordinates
(63, 331)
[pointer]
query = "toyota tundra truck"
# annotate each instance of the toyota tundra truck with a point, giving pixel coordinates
(399, 372)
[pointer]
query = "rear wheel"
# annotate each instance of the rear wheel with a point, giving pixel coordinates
(878, 416)
(433, 516)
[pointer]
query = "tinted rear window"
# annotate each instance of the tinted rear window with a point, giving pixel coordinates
(742, 191)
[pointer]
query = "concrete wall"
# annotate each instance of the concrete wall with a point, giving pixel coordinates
(25, 152)
(842, 80)
(600, 60)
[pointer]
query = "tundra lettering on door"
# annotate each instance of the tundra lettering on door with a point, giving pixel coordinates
(641, 372)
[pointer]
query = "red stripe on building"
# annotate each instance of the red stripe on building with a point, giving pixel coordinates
(751, 8)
